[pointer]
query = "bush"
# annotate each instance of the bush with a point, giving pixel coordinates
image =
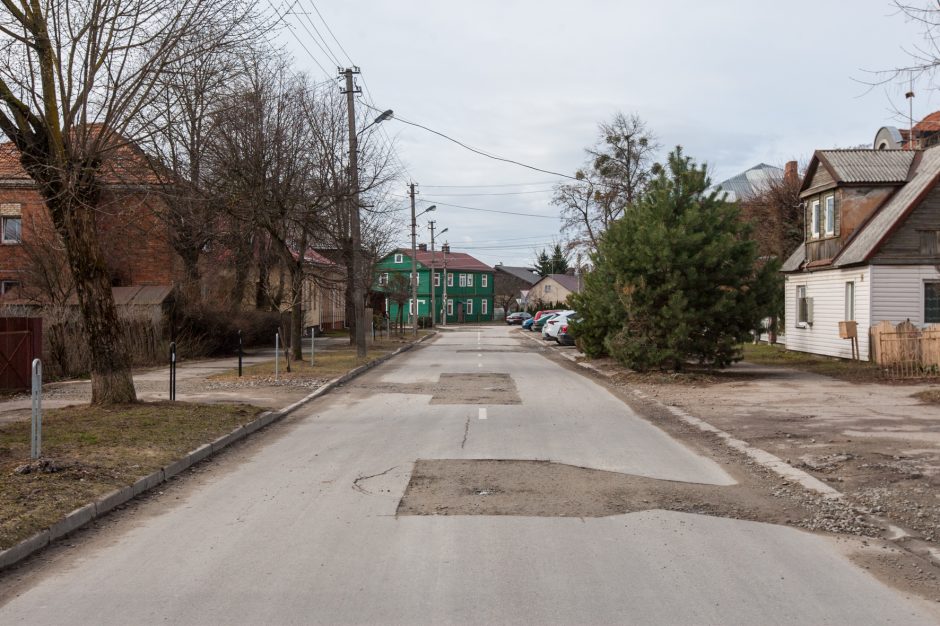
(207, 331)
(424, 321)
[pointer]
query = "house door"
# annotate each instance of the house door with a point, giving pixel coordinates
(460, 312)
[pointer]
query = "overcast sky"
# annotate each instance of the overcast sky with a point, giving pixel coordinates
(735, 83)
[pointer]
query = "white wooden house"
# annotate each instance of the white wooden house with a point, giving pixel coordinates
(871, 250)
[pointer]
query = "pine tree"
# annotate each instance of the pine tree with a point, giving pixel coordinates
(543, 264)
(675, 277)
(559, 262)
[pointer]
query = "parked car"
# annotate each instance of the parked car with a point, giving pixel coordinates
(565, 336)
(518, 317)
(550, 330)
(527, 325)
(538, 317)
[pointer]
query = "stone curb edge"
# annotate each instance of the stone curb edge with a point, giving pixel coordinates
(81, 516)
(759, 456)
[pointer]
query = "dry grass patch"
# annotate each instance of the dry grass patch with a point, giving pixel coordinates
(930, 396)
(850, 371)
(89, 451)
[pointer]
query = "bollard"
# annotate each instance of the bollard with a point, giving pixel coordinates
(36, 431)
(277, 353)
(240, 354)
(172, 371)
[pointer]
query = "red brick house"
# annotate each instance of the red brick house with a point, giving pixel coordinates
(133, 238)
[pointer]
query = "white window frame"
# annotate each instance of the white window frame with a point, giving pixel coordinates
(483, 281)
(814, 219)
(399, 258)
(483, 306)
(849, 301)
(469, 280)
(803, 303)
(8, 285)
(383, 278)
(830, 215)
(462, 280)
(450, 306)
(469, 308)
(437, 279)
(3, 230)
(450, 279)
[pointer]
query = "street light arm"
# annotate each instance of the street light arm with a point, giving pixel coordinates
(386, 115)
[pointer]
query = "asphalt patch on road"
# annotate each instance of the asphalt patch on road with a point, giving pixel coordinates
(546, 489)
(482, 389)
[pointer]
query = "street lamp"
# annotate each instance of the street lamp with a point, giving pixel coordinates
(385, 116)
(355, 234)
(414, 264)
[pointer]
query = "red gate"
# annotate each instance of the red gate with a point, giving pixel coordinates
(20, 343)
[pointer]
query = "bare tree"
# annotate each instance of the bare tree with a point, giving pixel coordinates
(776, 212)
(76, 81)
(616, 173)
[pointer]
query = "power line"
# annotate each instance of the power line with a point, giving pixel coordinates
(505, 193)
(290, 28)
(547, 182)
(330, 30)
(471, 208)
(475, 150)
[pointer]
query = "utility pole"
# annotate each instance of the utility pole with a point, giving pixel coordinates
(433, 274)
(444, 304)
(355, 235)
(414, 264)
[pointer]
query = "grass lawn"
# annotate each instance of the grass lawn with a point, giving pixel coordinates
(851, 371)
(328, 363)
(91, 451)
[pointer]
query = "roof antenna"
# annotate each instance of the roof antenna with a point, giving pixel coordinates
(910, 118)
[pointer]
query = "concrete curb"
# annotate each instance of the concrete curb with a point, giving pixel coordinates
(759, 456)
(79, 517)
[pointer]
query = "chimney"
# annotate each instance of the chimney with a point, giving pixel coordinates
(445, 248)
(790, 172)
(422, 247)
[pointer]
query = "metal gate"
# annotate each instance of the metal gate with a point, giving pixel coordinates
(20, 343)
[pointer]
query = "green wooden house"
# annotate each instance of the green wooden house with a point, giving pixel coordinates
(467, 281)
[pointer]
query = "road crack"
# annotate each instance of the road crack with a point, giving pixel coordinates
(359, 488)
(466, 431)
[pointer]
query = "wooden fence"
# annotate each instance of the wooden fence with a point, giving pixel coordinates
(906, 351)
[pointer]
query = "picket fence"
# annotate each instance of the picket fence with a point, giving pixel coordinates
(906, 351)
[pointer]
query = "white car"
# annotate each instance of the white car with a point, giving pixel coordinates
(553, 325)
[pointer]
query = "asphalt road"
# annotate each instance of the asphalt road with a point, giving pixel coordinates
(296, 531)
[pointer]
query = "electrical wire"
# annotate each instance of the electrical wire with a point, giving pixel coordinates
(547, 182)
(475, 150)
(471, 208)
(330, 30)
(290, 28)
(505, 193)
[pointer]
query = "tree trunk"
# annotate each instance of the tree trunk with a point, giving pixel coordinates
(111, 379)
(296, 313)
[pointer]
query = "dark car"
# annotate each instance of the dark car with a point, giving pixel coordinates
(527, 325)
(518, 317)
(565, 336)
(538, 316)
(541, 321)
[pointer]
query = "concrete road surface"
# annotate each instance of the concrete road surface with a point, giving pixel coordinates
(303, 530)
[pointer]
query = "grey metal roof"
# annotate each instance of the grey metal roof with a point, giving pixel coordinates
(869, 166)
(748, 183)
(522, 273)
(796, 259)
(864, 243)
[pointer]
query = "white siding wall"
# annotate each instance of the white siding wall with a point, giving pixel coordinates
(827, 289)
(898, 293)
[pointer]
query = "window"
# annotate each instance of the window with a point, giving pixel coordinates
(469, 280)
(8, 285)
(450, 305)
(929, 240)
(804, 308)
(398, 258)
(546, 288)
(483, 306)
(469, 307)
(383, 278)
(483, 281)
(830, 215)
(12, 230)
(450, 280)
(849, 301)
(932, 303)
(437, 279)
(463, 280)
(814, 219)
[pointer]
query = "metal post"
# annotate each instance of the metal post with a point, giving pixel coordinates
(240, 353)
(313, 336)
(172, 371)
(277, 353)
(433, 273)
(36, 434)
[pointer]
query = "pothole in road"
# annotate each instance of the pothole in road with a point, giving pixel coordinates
(479, 389)
(546, 489)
